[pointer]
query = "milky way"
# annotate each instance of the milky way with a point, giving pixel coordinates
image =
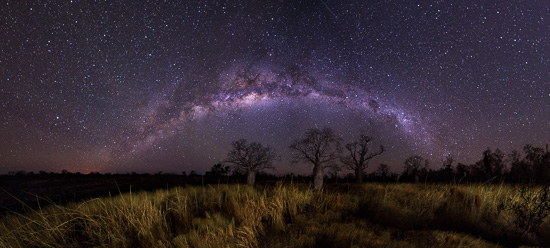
(249, 89)
(166, 86)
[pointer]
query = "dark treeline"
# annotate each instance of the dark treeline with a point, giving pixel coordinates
(530, 166)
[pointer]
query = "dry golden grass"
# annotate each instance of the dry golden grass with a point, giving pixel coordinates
(285, 215)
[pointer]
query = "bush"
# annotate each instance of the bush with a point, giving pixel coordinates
(529, 209)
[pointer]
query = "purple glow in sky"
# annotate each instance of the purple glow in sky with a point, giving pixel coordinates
(151, 86)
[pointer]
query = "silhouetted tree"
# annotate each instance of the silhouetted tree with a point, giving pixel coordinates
(358, 156)
(462, 172)
(317, 147)
(94, 173)
(491, 166)
(335, 170)
(537, 162)
(218, 171)
(21, 173)
(251, 158)
(383, 171)
(519, 171)
(415, 166)
(446, 173)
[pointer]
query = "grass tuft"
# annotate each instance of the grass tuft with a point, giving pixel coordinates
(283, 215)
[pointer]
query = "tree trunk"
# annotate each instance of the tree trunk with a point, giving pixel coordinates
(251, 177)
(318, 174)
(358, 174)
(416, 178)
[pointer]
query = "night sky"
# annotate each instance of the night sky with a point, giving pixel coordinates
(148, 86)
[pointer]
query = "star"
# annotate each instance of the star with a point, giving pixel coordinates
(167, 86)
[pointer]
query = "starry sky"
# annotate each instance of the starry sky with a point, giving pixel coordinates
(148, 86)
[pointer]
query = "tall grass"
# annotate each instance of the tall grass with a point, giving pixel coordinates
(285, 215)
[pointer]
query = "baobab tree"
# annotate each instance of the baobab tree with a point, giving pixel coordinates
(358, 156)
(251, 158)
(317, 147)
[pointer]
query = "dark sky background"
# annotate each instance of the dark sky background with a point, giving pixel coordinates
(148, 86)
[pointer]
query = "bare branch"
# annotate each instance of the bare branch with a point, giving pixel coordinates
(358, 156)
(317, 146)
(253, 156)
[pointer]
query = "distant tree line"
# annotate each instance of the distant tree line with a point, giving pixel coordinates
(321, 148)
(532, 167)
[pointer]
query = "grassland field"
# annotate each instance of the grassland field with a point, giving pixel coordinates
(284, 214)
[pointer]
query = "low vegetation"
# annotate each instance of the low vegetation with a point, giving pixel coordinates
(291, 215)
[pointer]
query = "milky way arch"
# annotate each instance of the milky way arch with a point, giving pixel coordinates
(241, 88)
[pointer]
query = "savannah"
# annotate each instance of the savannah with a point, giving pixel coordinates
(288, 214)
(500, 201)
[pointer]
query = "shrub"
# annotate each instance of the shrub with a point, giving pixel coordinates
(529, 209)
